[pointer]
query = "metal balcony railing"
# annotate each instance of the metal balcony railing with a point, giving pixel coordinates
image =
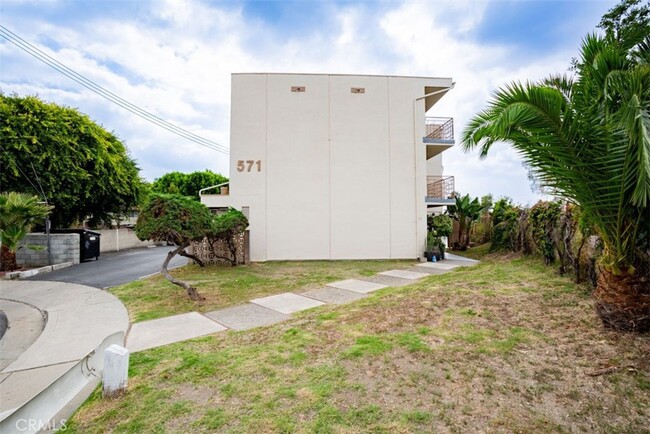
(439, 128)
(440, 187)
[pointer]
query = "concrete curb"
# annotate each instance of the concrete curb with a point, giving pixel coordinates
(65, 361)
(33, 272)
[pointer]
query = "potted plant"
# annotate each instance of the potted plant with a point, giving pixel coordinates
(431, 245)
(443, 226)
(441, 247)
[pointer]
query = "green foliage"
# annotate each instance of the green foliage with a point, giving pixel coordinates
(441, 224)
(465, 211)
(586, 139)
(486, 202)
(187, 184)
(543, 219)
(173, 218)
(432, 241)
(233, 222)
(84, 170)
(626, 19)
(226, 228)
(18, 213)
(504, 225)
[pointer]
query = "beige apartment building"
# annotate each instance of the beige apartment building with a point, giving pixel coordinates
(330, 166)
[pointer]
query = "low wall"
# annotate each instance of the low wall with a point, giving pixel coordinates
(114, 240)
(65, 248)
(203, 250)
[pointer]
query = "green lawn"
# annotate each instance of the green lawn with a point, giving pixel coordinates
(224, 286)
(507, 346)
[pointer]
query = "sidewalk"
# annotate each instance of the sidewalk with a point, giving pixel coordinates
(276, 308)
(52, 351)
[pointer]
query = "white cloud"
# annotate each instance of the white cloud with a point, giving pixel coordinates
(175, 60)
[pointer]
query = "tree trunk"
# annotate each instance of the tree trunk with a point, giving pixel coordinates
(623, 301)
(191, 292)
(233, 251)
(8, 259)
(191, 256)
(576, 260)
(461, 234)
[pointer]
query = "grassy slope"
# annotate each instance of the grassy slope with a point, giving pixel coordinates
(226, 286)
(505, 346)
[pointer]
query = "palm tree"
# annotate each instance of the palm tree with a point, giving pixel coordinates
(587, 139)
(465, 211)
(18, 213)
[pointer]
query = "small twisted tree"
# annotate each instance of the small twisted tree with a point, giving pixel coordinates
(226, 228)
(178, 220)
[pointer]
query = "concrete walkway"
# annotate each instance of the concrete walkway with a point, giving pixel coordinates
(276, 308)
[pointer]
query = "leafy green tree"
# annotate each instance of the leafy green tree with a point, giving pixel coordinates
(505, 216)
(82, 169)
(465, 211)
(18, 213)
(187, 184)
(441, 224)
(543, 220)
(177, 220)
(626, 20)
(588, 140)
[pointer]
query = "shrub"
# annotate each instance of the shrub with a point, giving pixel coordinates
(543, 220)
(441, 224)
(505, 217)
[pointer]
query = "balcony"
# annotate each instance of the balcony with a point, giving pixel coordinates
(440, 190)
(439, 135)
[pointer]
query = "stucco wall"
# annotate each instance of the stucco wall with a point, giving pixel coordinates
(113, 240)
(343, 175)
(65, 248)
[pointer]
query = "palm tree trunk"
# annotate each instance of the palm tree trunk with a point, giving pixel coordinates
(191, 292)
(623, 301)
(8, 259)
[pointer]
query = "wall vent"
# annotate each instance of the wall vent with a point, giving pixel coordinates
(358, 90)
(297, 88)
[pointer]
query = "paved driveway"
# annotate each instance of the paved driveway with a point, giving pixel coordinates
(114, 268)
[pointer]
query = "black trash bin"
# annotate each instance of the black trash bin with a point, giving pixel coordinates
(88, 242)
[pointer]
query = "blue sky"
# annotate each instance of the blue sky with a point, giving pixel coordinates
(174, 58)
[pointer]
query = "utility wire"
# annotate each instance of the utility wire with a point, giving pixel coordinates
(28, 178)
(94, 87)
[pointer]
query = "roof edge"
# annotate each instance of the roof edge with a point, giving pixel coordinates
(342, 75)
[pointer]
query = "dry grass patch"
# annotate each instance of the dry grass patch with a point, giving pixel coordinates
(506, 346)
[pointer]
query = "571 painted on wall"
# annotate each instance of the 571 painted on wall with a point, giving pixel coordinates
(247, 165)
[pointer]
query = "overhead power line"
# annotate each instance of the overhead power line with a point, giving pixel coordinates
(99, 90)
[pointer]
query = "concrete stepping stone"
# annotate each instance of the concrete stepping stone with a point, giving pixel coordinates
(164, 331)
(453, 257)
(334, 295)
(427, 270)
(411, 275)
(247, 316)
(438, 265)
(287, 303)
(388, 280)
(357, 285)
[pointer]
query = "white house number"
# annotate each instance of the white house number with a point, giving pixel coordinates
(249, 165)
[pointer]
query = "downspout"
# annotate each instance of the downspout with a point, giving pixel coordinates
(415, 161)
